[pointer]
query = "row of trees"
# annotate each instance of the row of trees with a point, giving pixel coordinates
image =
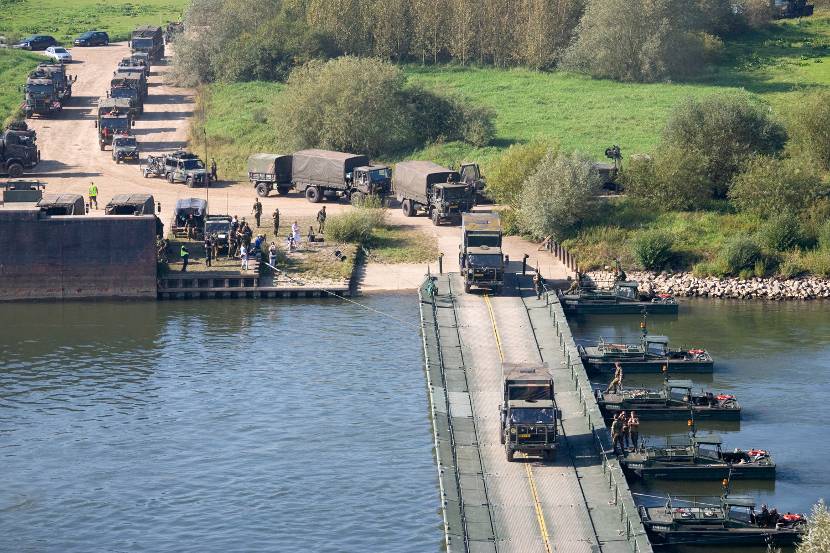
(646, 40)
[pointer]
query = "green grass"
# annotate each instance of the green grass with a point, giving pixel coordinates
(778, 65)
(65, 19)
(14, 67)
(393, 244)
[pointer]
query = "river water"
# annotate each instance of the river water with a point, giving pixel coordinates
(215, 426)
(775, 357)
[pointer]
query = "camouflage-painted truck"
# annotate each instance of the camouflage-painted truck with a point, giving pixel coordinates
(148, 39)
(131, 86)
(40, 96)
(111, 123)
(18, 151)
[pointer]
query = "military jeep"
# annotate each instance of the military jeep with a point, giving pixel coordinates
(124, 148)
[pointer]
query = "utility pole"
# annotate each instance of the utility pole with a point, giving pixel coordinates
(207, 180)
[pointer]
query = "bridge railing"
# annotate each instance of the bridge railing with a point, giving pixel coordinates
(629, 516)
(562, 253)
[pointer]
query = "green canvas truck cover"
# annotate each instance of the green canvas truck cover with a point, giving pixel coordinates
(324, 167)
(411, 179)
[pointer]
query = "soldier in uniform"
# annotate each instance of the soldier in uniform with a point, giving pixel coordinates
(208, 250)
(537, 285)
(276, 216)
(616, 432)
(616, 382)
(634, 430)
(321, 220)
(257, 211)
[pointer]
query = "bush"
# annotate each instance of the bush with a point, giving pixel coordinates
(770, 186)
(740, 254)
(726, 129)
(817, 539)
(559, 196)
(791, 264)
(653, 249)
(674, 178)
(446, 118)
(810, 127)
(476, 125)
(824, 236)
(506, 175)
(357, 225)
(780, 233)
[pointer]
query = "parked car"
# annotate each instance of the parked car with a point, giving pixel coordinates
(36, 42)
(93, 38)
(59, 54)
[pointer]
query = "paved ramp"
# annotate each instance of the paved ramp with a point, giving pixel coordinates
(577, 503)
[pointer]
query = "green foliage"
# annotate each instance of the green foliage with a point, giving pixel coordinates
(674, 178)
(810, 127)
(817, 539)
(559, 196)
(781, 232)
(355, 226)
(791, 264)
(770, 186)
(740, 254)
(727, 129)
(507, 174)
(14, 67)
(824, 236)
(653, 249)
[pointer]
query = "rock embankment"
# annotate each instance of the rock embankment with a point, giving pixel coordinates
(688, 285)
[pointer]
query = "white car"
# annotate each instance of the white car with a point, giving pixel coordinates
(58, 53)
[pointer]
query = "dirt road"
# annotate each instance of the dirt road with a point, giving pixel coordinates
(72, 159)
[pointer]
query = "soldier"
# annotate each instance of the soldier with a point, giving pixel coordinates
(616, 382)
(538, 285)
(619, 274)
(185, 257)
(616, 431)
(208, 250)
(93, 195)
(213, 169)
(276, 217)
(321, 219)
(634, 430)
(257, 211)
(214, 239)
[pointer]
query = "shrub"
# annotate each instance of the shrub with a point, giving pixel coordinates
(559, 196)
(653, 249)
(726, 129)
(780, 233)
(674, 178)
(817, 262)
(506, 175)
(357, 225)
(817, 539)
(770, 186)
(740, 254)
(810, 127)
(791, 264)
(446, 118)
(824, 236)
(476, 125)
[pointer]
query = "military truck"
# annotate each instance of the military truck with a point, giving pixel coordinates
(192, 210)
(480, 257)
(131, 204)
(423, 186)
(60, 79)
(138, 61)
(111, 124)
(786, 9)
(133, 78)
(268, 172)
(22, 191)
(129, 95)
(471, 175)
(18, 152)
(124, 148)
(62, 204)
(528, 412)
(318, 173)
(219, 227)
(111, 105)
(148, 39)
(41, 97)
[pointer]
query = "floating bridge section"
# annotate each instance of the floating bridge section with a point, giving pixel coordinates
(578, 503)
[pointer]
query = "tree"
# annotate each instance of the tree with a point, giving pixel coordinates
(810, 127)
(559, 196)
(727, 129)
(507, 175)
(674, 178)
(636, 40)
(817, 539)
(770, 186)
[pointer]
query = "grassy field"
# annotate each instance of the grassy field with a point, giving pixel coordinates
(65, 19)
(581, 113)
(14, 66)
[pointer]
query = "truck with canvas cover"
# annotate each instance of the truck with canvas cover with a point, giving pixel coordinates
(480, 257)
(129, 95)
(429, 187)
(192, 210)
(528, 412)
(131, 204)
(317, 173)
(111, 124)
(134, 79)
(62, 204)
(18, 152)
(148, 39)
(22, 191)
(61, 80)
(114, 105)
(40, 97)
(268, 172)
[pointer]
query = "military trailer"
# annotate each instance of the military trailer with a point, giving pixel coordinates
(111, 124)
(268, 172)
(131, 204)
(124, 148)
(148, 39)
(481, 259)
(318, 173)
(528, 412)
(192, 210)
(427, 187)
(18, 152)
(40, 97)
(62, 204)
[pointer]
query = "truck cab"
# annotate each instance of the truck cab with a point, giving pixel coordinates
(481, 259)
(471, 176)
(528, 413)
(124, 148)
(218, 227)
(110, 125)
(370, 180)
(18, 152)
(41, 97)
(185, 167)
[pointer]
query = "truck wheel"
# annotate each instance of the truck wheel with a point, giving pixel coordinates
(262, 189)
(406, 207)
(357, 197)
(283, 190)
(169, 177)
(501, 437)
(102, 146)
(549, 455)
(436, 218)
(312, 194)
(190, 182)
(510, 453)
(467, 288)
(146, 174)
(15, 170)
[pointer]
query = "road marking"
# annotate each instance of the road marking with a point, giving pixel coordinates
(537, 505)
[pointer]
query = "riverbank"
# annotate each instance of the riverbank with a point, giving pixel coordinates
(687, 285)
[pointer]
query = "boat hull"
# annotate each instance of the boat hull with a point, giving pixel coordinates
(620, 308)
(648, 366)
(723, 536)
(646, 413)
(701, 472)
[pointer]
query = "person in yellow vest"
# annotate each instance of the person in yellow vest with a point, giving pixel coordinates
(93, 195)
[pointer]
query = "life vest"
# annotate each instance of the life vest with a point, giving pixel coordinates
(724, 397)
(757, 453)
(792, 518)
(697, 351)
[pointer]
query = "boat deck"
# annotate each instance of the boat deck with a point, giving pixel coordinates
(578, 503)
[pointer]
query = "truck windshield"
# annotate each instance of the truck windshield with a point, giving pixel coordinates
(379, 175)
(119, 123)
(217, 226)
(123, 93)
(489, 260)
(40, 88)
(454, 193)
(532, 416)
(529, 393)
(477, 240)
(127, 142)
(191, 164)
(142, 43)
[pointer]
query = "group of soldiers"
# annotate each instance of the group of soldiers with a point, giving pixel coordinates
(625, 432)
